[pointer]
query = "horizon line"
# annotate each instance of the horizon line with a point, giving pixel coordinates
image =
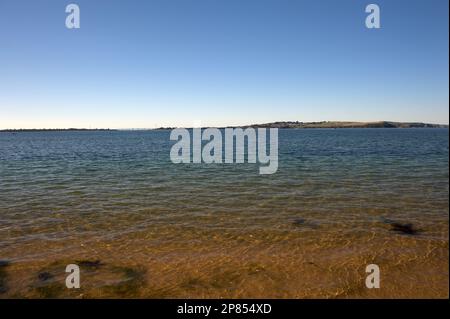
(222, 126)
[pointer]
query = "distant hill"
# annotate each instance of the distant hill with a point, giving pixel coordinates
(336, 124)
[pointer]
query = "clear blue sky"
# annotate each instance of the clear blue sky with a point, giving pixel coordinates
(136, 64)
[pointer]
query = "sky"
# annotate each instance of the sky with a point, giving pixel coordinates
(146, 64)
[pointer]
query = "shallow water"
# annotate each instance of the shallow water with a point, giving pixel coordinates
(141, 226)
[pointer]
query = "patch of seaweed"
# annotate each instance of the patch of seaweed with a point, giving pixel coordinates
(51, 290)
(89, 264)
(301, 222)
(49, 282)
(3, 276)
(407, 229)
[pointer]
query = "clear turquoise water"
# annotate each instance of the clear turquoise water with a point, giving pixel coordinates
(60, 191)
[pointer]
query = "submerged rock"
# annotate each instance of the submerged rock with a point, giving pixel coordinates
(404, 228)
(44, 276)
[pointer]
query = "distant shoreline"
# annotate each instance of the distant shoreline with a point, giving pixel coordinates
(349, 124)
(55, 130)
(282, 125)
